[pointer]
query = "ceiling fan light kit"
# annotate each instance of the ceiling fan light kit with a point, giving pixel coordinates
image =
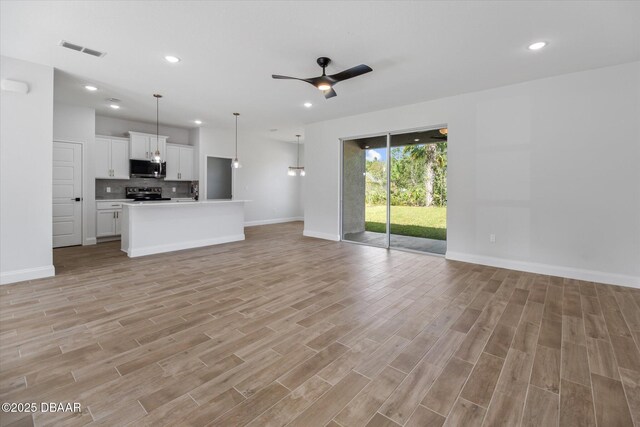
(325, 83)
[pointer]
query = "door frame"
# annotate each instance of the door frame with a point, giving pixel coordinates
(341, 201)
(83, 172)
(389, 135)
(202, 183)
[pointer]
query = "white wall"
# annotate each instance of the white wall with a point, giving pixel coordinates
(551, 167)
(263, 179)
(111, 126)
(77, 124)
(26, 149)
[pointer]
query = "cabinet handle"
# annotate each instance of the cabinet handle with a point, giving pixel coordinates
(114, 215)
(147, 154)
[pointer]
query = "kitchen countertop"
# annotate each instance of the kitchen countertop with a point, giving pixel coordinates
(187, 203)
(129, 200)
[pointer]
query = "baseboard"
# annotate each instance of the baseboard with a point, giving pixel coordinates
(272, 221)
(157, 249)
(27, 274)
(90, 241)
(551, 270)
(317, 235)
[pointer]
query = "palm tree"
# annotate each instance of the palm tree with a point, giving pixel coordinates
(424, 153)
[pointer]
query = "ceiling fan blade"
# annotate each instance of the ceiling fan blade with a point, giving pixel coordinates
(356, 71)
(330, 93)
(276, 76)
(311, 80)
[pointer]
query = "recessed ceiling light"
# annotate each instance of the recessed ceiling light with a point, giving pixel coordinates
(91, 88)
(114, 106)
(308, 104)
(537, 45)
(172, 59)
(416, 140)
(198, 122)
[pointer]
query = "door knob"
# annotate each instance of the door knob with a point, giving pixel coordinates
(77, 199)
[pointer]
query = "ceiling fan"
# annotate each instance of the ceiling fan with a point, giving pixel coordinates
(325, 83)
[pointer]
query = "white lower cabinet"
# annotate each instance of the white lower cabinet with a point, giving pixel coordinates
(108, 219)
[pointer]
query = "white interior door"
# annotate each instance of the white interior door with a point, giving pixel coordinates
(67, 194)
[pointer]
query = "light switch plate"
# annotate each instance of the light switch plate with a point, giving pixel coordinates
(108, 189)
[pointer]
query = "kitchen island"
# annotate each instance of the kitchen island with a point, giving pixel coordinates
(156, 227)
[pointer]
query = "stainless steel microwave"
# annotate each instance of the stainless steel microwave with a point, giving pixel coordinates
(147, 169)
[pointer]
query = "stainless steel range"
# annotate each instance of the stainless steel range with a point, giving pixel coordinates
(145, 194)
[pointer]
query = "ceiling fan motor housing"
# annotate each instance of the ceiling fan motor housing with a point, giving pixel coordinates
(323, 61)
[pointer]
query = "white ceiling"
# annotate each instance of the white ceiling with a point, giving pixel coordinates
(418, 50)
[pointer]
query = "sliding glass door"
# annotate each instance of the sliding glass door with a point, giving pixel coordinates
(365, 191)
(418, 191)
(394, 191)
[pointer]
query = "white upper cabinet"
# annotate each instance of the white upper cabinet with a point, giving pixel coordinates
(103, 157)
(143, 145)
(139, 147)
(120, 158)
(186, 163)
(111, 158)
(173, 162)
(180, 160)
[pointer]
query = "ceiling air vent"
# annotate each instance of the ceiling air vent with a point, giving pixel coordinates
(82, 49)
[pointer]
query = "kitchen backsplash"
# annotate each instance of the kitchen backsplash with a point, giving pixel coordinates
(183, 188)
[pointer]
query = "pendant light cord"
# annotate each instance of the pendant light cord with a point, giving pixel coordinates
(157, 123)
(236, 136)
(298, 157)
(157, 96)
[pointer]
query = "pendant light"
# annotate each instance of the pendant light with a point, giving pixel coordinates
(236, 163)
(156, 156)
(297, 169)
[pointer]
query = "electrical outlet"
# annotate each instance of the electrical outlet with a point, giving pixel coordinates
(108, 189)
(173, 189)
(492, 238)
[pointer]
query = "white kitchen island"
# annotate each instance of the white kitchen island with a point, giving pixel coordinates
(156, 227)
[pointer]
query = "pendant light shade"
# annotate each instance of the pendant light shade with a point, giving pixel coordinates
(297, 169)
(236, 163)
(156, 158)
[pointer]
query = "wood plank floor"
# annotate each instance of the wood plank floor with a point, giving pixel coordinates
(286, 330)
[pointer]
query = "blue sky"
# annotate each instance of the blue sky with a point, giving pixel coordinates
(379, 153)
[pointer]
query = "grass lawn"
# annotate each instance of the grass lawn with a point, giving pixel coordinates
(409, 221)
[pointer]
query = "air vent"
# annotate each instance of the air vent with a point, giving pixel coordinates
(70, 46)
(82, 49)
